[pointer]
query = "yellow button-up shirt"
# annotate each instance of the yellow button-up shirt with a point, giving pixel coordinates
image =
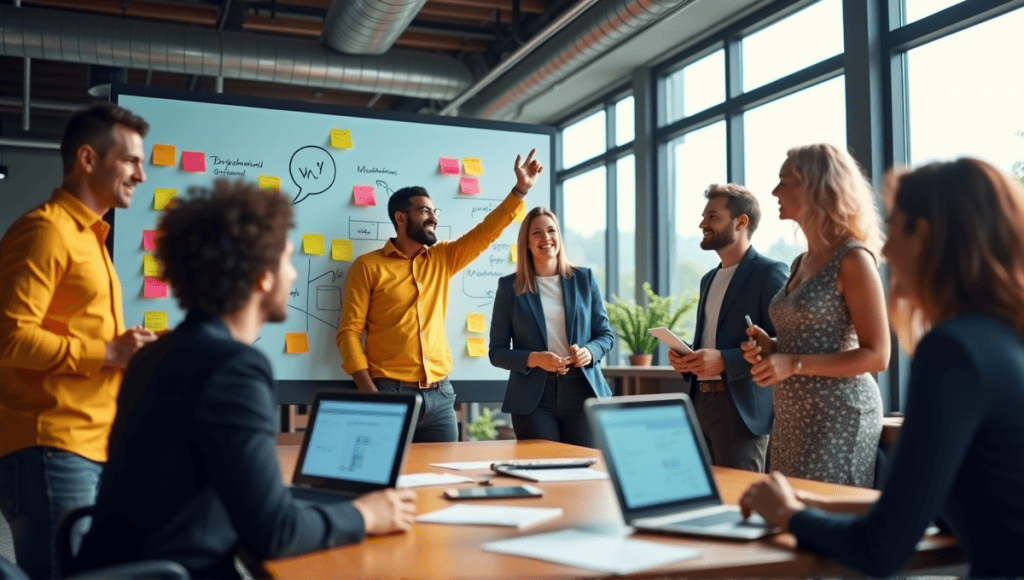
(402, 303)
(60, 303)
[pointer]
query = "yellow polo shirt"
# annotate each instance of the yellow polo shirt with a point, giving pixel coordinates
(402, 303)
(60, 303)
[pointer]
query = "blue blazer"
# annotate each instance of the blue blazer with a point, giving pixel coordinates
(519, 320)
(757, 280)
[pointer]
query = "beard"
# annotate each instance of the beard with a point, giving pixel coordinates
(718, 240)
(418, 232)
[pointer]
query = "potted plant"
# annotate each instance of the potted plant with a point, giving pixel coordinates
(632, 321)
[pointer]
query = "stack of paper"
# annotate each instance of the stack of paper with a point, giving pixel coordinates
(424, 479)
(516, 517)
(567, 474)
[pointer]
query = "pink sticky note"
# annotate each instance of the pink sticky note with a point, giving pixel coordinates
(193, 161)
(449, 166)
(149, 239)
(153, 288)
(470, 185)
(364, 195)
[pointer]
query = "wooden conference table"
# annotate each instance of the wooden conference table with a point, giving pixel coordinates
(439, 551)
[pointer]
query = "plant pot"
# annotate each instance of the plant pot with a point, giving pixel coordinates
(641, 360)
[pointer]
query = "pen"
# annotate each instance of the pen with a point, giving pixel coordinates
(749, 321)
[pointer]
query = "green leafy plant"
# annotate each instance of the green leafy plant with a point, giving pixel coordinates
(632, 321)
(483, 428)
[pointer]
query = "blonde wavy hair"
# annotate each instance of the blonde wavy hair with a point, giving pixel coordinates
(838, 199)
(526, 274)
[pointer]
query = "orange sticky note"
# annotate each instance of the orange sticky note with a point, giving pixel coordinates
(476, 322)
(194, 161)
(163, 196)
(313, 244)
(515, 252)
(153, 288)
(341, 250)
(364, 195)
(470, 185)
(163, 155)
(271, 182)
(149, 239)
(296, 342)
(472, 166)
(341, 138)
(476, 346)
(449, 166)
(150, 265)
(520, 212)
(155, 321)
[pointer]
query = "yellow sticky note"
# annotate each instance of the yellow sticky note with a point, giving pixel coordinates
(341, 250)
(341, 138)
(476, 322)
(296, 342)
(472, 166)
(271, 182)
(163, 155)
(476, 347)
(163, 196)
(515, 252)
(151, 266)
(155, 321)
(520, 213)
(313, 244)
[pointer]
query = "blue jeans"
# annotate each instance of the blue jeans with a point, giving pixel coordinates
(38, 485)
(437, 423)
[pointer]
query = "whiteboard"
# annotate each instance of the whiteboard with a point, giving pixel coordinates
(245, 139)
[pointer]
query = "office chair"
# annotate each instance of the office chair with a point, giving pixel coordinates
(141, 570)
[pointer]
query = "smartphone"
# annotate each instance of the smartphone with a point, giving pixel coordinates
(494, 492)
(671, 340)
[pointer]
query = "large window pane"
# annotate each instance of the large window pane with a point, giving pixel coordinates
(966, 93)
(794, 43)
(625, 218)
(583, 139)
(624, 121)
(586, 221)
(918, 9)
(814, 115)
(695, 87)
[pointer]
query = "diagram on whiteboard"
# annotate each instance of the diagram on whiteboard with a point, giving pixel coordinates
(321, 300)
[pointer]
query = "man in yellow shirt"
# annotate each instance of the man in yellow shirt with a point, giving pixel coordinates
(63, 344)
(399, 296)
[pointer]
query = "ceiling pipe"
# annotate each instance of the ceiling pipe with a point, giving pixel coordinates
(367, 26)
(37, 104)
(68, 37)
(28, 143)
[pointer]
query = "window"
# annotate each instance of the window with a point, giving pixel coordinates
(583, 139)
(695, 87)
(625, 174)
(624, 121)
(587, 220)
(918, 9)
(794, 43)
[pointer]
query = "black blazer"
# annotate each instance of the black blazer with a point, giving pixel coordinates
(757, 280)
(193, 471)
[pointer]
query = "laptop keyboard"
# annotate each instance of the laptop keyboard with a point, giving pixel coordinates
(710, 520)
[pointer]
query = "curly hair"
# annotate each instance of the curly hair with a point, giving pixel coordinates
(837, 197)
(93, 126)
(215, 244)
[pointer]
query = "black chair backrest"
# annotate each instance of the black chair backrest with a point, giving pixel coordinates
(10, 571)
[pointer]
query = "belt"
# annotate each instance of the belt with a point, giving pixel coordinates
(711, 386)
(410, 384)
(572, 372)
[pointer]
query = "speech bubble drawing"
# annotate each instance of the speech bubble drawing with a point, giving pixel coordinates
(313, 170)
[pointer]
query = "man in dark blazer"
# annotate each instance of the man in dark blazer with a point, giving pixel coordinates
(193, 474)
(735, 414)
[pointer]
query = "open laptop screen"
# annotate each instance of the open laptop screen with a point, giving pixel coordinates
(653, 453)
(355, 441)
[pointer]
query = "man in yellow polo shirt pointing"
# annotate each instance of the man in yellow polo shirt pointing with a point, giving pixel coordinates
(399, 295)
(63, 344)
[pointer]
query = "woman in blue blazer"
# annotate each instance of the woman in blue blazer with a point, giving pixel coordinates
(552, 314)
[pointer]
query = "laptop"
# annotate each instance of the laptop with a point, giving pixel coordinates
(355, 443)
(659, 466)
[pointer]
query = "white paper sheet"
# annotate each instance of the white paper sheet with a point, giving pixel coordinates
(568, 474)
(517, 517)
(463, 465)
(616, 554)
(422, 479)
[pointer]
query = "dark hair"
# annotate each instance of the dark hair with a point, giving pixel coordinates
(93, 126)
(399, 201)
(740, 201)
(215, 244)
(973, 258)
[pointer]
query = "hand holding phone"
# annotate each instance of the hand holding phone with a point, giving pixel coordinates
(508, 491)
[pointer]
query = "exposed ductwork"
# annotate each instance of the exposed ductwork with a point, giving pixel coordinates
(367, 26)
(66, 37)
(592, 35)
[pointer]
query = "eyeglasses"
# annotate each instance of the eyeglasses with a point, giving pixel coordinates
(426, 211)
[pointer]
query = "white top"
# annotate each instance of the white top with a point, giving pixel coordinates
(550, 290)
(712, 308)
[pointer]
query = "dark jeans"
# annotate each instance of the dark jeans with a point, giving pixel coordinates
(729, 441)
(437, 423)
(559, 414)
(38, 486)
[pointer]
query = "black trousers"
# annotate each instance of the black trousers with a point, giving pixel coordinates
(559, 414)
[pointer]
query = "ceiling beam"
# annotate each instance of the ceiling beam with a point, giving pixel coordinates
(151, 10)
(439, 42)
